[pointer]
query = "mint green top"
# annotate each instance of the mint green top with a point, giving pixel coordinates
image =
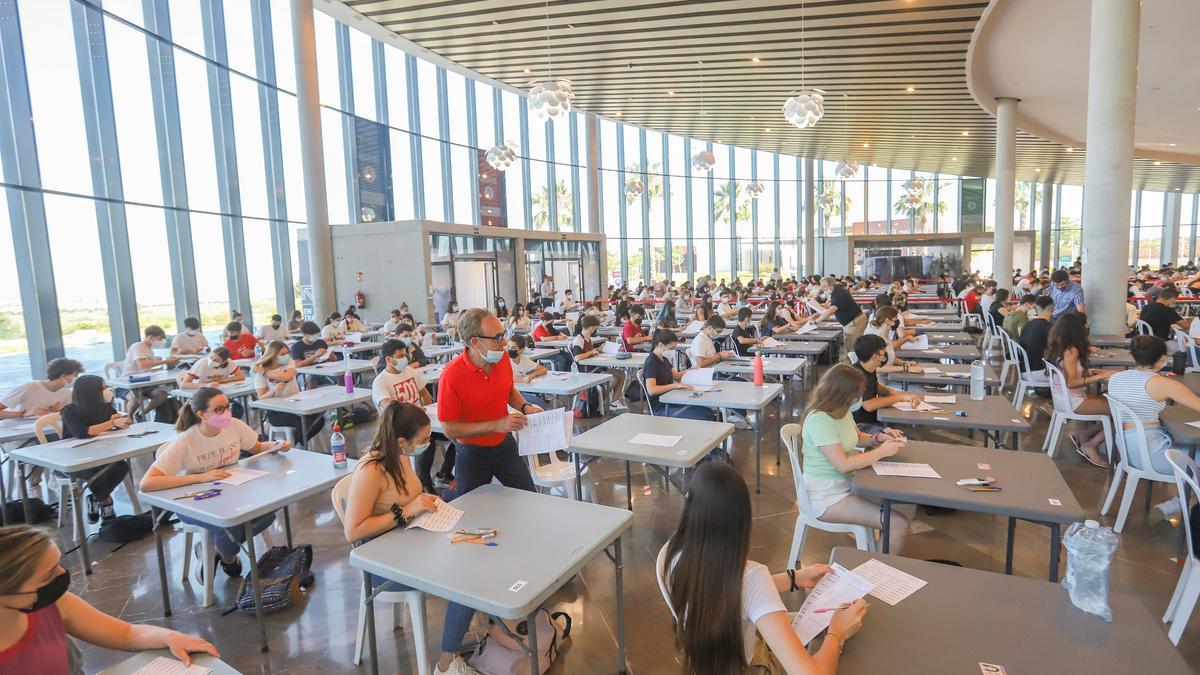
(821, 429)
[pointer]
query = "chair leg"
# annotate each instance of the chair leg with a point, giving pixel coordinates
(361, 633)
(62, 503)
(132, 490)
(397, 620)
(1118, 476)
(416, 616)
(210, 567)
(1187, 603)
(864, 539)
(1108, 437)
(797, 541)
(187, 554)
(1131, 484)
(1051, 442)
(1169, 615)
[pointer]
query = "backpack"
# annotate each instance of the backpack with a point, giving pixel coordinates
(283, 573)
(502, 651)
(633, 391)
(14, 511)
(124, 529)
(589, 403)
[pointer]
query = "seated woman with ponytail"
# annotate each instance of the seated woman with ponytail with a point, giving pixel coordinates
(37, 613)
(385, 493)
(89, 413)
(275, 377)
(209, 438)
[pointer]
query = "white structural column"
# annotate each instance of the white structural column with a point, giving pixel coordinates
(810, 241)
(1006, 187)
(1108, 177)
(1172, 214)
(1047, 216)
(592, 169)
(312, 159)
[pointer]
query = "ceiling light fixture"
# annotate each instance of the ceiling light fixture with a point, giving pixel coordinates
(703, 161)
(866, 145)
(847, 168)
(966, 133)
(1070, 149)
(1158, 164)
(502, 156)
(754, 59)
(754, 189)
(805, 107)
(670, 93)
(911, 89)
(550, 97)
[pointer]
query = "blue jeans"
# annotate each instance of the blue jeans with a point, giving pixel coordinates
(229, 540)
(534, 399)
(1157, 443)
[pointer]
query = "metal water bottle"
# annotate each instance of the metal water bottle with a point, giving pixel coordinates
(977, 388)
(758, 370)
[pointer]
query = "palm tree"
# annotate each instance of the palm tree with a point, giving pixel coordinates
(829, 200)
(924, 204)
(721, 202)
(651, 178)
(541, 207)
(1021, 203)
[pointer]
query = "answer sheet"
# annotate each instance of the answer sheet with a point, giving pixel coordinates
(167, 666)
(908, 469)
(545, 432)
(442, 520)
(239, 475)
(700, 378)
(834, 590)
(907, 407)
(659, 440)
(890, 584)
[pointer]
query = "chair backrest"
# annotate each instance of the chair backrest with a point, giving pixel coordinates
(1058, 389)
(660, 574)
(790, 433)
(1122, 415)
(1187, 479)
(1143, 328)
(339, 495)
(51, 422)
(1189, 345)
(640, 375)
(1020, 355)
(114, 369)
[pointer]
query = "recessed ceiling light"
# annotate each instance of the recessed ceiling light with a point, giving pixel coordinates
(866, 145)
(768, 130)
(966, 133)
(953, 159)
(1170, 145)
(570, 25)
(1037, 170)
(911, 89)
(754, 59)
(527, 71)
(1070, 149)
(1157, 163)
(670, 93)
(617, 114)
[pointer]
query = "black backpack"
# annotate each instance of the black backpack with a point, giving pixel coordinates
(283, 573)
(124, 529)
(14, 511)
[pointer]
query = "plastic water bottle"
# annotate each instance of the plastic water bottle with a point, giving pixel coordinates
(758, 370)
(977, 389)
(337, 446)
(258, 351)
(1089, 552)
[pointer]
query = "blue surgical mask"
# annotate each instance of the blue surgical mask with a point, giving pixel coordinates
(418, 449)
(856, 406)
(283, 360)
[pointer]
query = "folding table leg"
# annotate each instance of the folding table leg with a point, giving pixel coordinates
(255, 588)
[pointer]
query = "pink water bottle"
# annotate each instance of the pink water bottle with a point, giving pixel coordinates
(758, 370)
(349, 378)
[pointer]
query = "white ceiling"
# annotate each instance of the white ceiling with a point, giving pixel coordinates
(625, 55)
(1037, 51)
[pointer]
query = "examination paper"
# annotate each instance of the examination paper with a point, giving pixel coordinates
(771, 342)
(694, 327)
(890, 584)
(545, 432)
(814, 306)
(699, 378)
(921, 343)
(935, 398)
(613, 347)
(909, 469)
(833, 590)
(660, 440)
(239, 475)
(908, 407)
(168, 666)
(441, 520)
(806, 328)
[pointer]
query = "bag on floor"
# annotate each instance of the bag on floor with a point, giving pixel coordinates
(124, 529)
(633, 391)
(14, 511)
(589, 403)
(502, 651)
(283, 574)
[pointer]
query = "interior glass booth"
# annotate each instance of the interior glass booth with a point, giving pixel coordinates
(474, 271)
(574, 265)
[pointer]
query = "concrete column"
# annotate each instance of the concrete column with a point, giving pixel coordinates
(1047, 216)
(1172, 213)
(1108, 168)
(312, 159)
(1006, 187)
(592, 138)
(810, 240)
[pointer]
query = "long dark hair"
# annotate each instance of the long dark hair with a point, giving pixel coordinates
(768, 320)
(87, 395)
(705, 561)
(1069, 330)
(188, 416)
(399, 420)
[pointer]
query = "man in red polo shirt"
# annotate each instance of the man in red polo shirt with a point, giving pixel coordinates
(474, 394)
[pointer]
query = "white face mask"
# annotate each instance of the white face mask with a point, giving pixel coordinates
(191, 331)
(856, 406)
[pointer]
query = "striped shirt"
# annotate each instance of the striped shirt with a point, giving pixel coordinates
(1129, 387)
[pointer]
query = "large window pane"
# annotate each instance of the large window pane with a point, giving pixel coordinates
(325, 29)
(335, 167)
(136, 139)
(363, 72)
(212, 282)
(260, 272)
(14, 349)
(247, 131)
(151, 267)
(281, 35)
(239, 37)
(79, 280)
(195, 121)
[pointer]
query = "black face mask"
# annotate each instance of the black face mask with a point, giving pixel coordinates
(50, 593)
(513, 353)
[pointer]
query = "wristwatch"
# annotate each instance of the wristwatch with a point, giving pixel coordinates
(398, 514)
(527, 403)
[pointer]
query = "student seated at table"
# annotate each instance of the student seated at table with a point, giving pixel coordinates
(998, 309)
(394, 320)
(385, 494)
(209, 438)
(89, 413)
(1019, 316)
(334, 331)
(1145, 392)
(582, 348)
(661, 377)
(524, 369)
(295, 321)
(190, 340)
(1036, 332)
(240, 343)
(885, 324)
(272, 331)
(416, 356)
(215, 369)
(1068, 349)
(351, 322)
(907, 318)
(274, 377)
(140, 359)
(1162, 316)
(871, 351)
(703, 351)
(744, 335)
(632, 333)
(519, 321)
(42, 397)
(546, 330)
(398, 381)
(38, 613)
(450, 319)
(829, 444)
(308, 351)
(729, 616)
(772, 323)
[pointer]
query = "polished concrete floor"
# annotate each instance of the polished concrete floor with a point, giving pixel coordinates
(317, 635)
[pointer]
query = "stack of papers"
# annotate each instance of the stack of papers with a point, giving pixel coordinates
(930, 370)
(814, 306)
(613, 347)
(907, 469)
(544, 432)
(168, 666)
(771, 342)
(694, 327)
(835, 589)
(806, 328)
(239, 475)
(659, 440)
(934, 398)
(921, 406)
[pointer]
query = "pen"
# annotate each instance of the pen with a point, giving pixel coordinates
(844, 605)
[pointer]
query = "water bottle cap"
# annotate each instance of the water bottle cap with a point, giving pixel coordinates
(1091, 524)
(337, 427)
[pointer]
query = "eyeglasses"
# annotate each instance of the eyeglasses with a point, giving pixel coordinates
(219, 410)
(495, 338)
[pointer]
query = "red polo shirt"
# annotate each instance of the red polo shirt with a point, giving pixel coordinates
(467, 393)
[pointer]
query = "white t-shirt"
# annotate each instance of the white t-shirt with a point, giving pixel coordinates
(189, 344)
(137, 350)
(724, 309)
(205, 371)
(985, 302)
(34, 396)
(759, 598)
(405, 387)
(261, 381)
(333, 331)
(702, 346)
(354, 325)
(391, 325)
(523, 365)
(267, 332)
(193, 452)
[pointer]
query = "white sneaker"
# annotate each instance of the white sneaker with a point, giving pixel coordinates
(457, 667)
(618, 405)
(738, 421)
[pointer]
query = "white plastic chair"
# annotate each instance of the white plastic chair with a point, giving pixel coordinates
(1064, 413)
(114, 369)
(55, 482)
(1189, 346)
(208, 552)
(1143, 328)
(989, 337)
(1026, 376)
(1183, 600)
(864, 538)
(557, 476)
(415, 600)
(1122, 416)
(1008, 359)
